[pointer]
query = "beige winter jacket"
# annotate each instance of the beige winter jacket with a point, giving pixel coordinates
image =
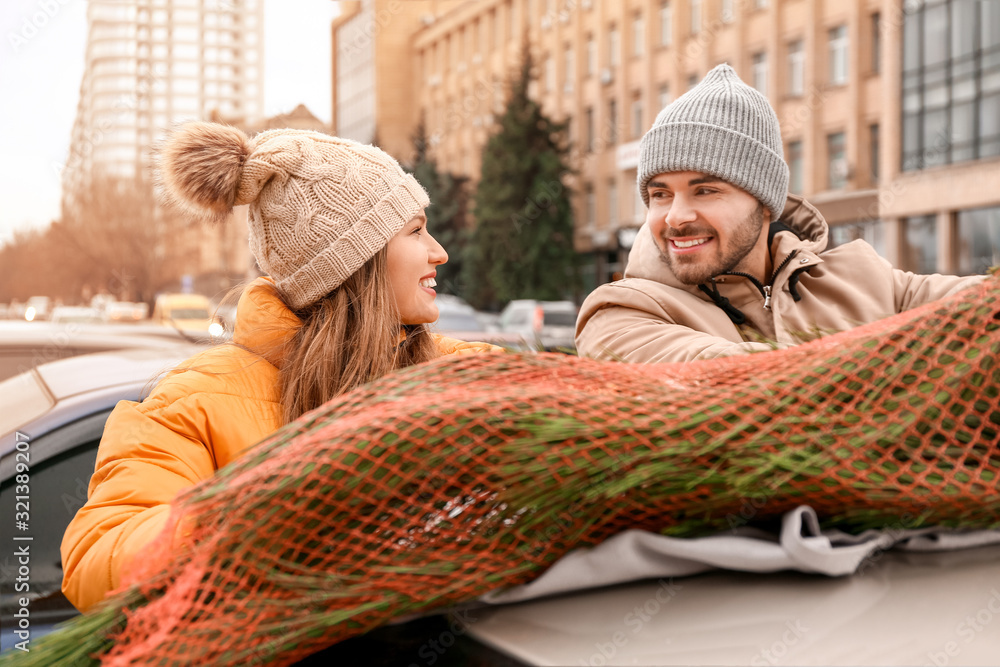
(650, 316)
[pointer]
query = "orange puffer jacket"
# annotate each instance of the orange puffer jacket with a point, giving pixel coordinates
(201, 416)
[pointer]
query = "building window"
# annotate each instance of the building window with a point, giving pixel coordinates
(591, 55)
(590, 204)
(614, 46)
(666, 23)
(760, 72)
(796, 69)
(760, 4)
(795, 167)
(664, 94)
(977, 240)
(509, 11)
(873, 151)
(612, 204)
(588, 130)
(637, 120)
(869, 231)
(727, 11)
(612, 122)
(550, 73)
(920, 244)
(638, 35)
(838, 55)
(695, 16)
(692, 81)
(876, 42)
(836, 161)
(951, 91)
(568, 74)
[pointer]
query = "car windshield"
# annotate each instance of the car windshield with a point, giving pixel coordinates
(189, 314)
(560, 318)
(24, 398)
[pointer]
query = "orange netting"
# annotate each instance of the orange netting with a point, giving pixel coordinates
(445, 481)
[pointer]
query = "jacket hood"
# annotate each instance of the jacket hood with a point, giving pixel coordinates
(799, 215)
(263, 322)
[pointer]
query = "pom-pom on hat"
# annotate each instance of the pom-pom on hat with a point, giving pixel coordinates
(721, 127)
(320, 206)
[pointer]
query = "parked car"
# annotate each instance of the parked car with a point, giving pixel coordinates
(125, 311)
(76, 315)
(24, 345)
(457, 319)
(184, 311)
(62, 407)
(546, 325)
(16, 310)
(902, 608)
(37, 308)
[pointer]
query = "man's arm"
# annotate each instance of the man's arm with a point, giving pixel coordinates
(621, 323)
(913, 289)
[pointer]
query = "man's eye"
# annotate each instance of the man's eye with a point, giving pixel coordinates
(706, 191)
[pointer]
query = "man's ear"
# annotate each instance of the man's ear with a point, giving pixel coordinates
(767, 215)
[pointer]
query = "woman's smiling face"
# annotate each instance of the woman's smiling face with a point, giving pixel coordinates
(413, 257)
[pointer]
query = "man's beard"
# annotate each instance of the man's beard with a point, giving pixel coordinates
(725, 260)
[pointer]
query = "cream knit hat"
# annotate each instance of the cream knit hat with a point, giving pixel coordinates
(721, 127)
(320, 206)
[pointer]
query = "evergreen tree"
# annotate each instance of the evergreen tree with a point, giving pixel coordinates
(522, 244)
(446, 216)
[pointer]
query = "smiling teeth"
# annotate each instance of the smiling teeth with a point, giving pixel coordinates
(428, 282)
(689, 244)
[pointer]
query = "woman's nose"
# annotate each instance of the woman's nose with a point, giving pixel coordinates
(437, 254)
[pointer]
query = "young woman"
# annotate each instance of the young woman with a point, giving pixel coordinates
(340, 231)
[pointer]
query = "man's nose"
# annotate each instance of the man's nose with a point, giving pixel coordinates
(681, 212)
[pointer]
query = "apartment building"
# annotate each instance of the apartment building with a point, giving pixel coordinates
(889, 109)
(373, 87)
(153, 63)
(150, 65)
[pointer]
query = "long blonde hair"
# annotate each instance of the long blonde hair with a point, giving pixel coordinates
(348, 338)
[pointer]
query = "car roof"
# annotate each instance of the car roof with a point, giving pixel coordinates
(903, 608)
(21, 332)
(88, 372)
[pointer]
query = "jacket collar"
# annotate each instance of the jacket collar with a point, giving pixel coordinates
(810, 234)
(264, 324)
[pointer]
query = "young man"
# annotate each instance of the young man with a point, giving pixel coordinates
(728, 262)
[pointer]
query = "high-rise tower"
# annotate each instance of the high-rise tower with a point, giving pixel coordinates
(151, 64)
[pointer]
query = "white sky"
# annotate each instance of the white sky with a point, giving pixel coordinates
(42, 45)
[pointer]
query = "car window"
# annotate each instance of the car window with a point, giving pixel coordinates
(517, 318)
(57, 489)
(560, 318)
(60, 466)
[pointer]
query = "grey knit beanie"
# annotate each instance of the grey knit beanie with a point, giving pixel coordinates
(721, 127)
(320, 206)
